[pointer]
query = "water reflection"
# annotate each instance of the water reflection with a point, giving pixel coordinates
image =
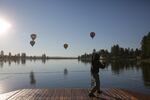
(146, 74)
(119, 66)
(121, 73)
(23, 61)
(84, 61)
(43, 61)
(18, 61)
(32, 78)
(1, 64)
(65, 71)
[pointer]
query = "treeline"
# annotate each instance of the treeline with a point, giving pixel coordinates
(115, 53)
(145, 46)
(118, 52)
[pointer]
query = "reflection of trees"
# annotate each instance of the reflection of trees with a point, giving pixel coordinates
(89, 62)
(85, 61)
(32, 78)
(118, 66)
(146, 73)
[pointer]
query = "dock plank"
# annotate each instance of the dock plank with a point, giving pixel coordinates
(65, 94)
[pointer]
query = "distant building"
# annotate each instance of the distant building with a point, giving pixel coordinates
(23, 55)
(9, 54)
(44, 56)
(18, 55)
(2, 53)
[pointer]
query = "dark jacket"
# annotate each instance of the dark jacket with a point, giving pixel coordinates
(95, 67)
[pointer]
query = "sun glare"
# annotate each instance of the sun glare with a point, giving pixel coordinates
(4, 26)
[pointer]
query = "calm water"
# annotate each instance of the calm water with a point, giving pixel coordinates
(71, 74)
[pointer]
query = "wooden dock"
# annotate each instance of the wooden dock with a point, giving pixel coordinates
(65, 94)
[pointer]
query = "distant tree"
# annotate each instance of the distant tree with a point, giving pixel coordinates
(137, 52)
(121, 52)
(104, 53)
(145, 46)
(126, 52)
(115, 50)
(132, 53)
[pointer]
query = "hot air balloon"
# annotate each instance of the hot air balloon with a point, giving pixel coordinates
(33, 36)
(92, 34)
(65, 45)
(32, 43)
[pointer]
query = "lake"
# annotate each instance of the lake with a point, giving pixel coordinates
(59, 73)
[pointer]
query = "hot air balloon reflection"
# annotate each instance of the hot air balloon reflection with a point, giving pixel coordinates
(32, 43)
(65, 45)
(92, 34)
(33, 36)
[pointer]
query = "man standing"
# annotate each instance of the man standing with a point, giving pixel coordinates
(95, 65)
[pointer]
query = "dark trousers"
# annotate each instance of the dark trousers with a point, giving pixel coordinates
(97, 82)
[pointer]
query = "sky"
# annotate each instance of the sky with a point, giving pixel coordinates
(56, 22)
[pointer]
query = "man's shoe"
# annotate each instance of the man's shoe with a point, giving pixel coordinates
(91, 95)
(99, 92)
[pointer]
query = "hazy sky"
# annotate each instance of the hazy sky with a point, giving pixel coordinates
(56, 22)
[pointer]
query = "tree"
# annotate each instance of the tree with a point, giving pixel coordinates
(137, 52)
(104, 53)
(145, 46)
(115, 50)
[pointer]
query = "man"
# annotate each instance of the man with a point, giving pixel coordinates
(95, 65)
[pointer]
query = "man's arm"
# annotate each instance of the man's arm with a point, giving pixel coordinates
(102, 65)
